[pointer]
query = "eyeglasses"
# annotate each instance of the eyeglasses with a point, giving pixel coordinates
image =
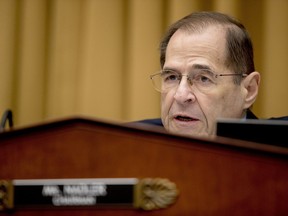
(203, 79)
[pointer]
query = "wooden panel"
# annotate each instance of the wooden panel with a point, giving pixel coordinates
(215, 177)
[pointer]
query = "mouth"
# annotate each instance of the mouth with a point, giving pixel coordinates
(185, 118)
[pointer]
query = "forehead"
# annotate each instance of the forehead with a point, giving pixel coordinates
(208, 46)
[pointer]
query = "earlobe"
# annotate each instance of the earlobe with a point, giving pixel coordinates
(251, 84)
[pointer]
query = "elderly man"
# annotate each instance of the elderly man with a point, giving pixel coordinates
(207, 73)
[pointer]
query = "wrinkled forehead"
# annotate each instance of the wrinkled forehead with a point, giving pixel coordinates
(213, 32)
(209, 43)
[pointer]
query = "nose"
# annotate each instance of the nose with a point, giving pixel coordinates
(184, 92)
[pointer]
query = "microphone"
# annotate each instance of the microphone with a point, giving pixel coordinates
(6, 117)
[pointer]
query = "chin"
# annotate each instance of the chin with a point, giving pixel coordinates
(190, 133)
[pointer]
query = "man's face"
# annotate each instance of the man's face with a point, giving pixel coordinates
(187, 110)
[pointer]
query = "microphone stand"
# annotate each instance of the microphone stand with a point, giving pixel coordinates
(6, 117)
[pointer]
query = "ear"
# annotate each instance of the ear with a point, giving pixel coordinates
(251, 85)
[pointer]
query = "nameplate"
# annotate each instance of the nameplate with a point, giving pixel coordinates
(87, 193)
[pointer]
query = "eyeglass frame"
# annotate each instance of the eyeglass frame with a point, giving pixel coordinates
(214, 74)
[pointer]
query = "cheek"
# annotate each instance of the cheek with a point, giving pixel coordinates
(209, 106)
(226, 103)
(166, 102)
(233, 97)
(212, 105)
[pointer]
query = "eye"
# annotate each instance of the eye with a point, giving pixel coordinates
(169, 76)
(203, 78)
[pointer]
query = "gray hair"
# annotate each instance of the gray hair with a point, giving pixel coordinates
(239, 47)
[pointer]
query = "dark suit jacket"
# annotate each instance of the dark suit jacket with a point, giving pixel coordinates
(250, 115)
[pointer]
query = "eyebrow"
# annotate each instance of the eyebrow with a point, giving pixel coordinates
(202, 67)
(169, 69)
(194, 66)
